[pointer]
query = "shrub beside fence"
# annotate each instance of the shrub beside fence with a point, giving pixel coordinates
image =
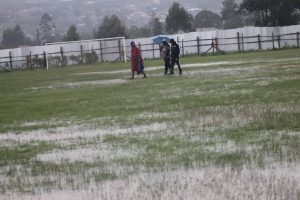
(118, 49)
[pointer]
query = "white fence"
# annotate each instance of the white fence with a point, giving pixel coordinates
(241, 39)
(85, 51)
(113, 49)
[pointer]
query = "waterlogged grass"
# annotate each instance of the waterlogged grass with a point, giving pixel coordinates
(83, 131)
(22, 154)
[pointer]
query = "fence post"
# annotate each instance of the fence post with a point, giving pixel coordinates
(273, 40)
(10, 61)
(213, 45)
(62, 56)
(101, 51)
(216, 44)
(198, 45)
(243, 44)
(259, 42)
(45, 60)
(81, 54)
(182, 48)
(279, 45)
(120, 50)
(153, 50)
(27, 61)
(238, 41)
(30, 61)
(298, 43)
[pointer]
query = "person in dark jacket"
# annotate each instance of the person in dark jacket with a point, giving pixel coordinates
(175, 51)
(165, 53)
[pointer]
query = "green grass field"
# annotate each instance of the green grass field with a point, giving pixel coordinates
(228, 128)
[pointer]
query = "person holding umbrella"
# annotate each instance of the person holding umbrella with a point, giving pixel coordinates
(165, 53)
(137, 63)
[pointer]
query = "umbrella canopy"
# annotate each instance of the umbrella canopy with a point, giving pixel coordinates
(158, 39)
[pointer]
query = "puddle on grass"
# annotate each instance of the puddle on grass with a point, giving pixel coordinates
(81, 84)
(276, 181)
(88, 155)
(152, 68)
(99, 82)
(208, 119)
(80, 131)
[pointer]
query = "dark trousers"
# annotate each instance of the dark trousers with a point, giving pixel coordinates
(173, 62)
(167, 65)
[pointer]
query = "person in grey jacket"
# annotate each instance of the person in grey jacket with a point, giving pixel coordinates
(165, 53)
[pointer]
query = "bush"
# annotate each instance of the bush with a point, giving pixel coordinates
(75, 59)
(57, 61)
(90, 58)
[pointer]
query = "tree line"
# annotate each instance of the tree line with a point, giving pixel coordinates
(232, 15)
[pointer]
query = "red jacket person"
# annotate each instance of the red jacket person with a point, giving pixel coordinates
(137, 63)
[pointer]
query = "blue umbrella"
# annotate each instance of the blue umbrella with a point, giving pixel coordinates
(158, 39)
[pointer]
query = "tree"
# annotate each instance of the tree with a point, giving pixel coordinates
(12, 38)
(273, 12)
(111, 27)
(230, 15)
(72, 34)
(46, 28)
(206, 18)
(156, 26)
(178, 19)
(139, 32)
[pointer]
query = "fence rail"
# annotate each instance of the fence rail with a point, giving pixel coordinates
(195, 44)
(214, 45)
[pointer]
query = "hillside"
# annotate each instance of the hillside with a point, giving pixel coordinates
(87, 14)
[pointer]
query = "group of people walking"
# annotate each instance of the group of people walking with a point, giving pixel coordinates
(170, 54)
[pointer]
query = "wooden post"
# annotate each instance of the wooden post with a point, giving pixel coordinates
(120, 50)
(182, 46)
(153, 50)
(45, 60)
(238, 41)
(101, 52)
(298, 42)
(279, 45)
(259, 42)
(243, 44)
(216, 44)
(62, 56)
(30, 61)
(273, 40)
(213, 45)
(198, 45)
(81, 54)
(27, 61)
(10, 61)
